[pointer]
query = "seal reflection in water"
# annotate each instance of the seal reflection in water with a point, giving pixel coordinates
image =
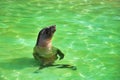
(44, 52)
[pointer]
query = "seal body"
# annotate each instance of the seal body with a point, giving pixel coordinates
(43, 51)
(45, 56)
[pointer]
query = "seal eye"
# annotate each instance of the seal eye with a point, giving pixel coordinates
(47, 31)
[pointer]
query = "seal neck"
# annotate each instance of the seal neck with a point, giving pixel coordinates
(45, 43)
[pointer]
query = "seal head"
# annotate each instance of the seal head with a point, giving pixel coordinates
(45, 36)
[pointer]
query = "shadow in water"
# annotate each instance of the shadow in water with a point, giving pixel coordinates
(19, 63)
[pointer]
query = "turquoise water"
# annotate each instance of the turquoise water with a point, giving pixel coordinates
(87, 33)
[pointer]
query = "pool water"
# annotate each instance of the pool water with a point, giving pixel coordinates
(88, 33)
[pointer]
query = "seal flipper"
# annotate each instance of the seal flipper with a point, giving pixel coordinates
(60, 54)
(67, 66)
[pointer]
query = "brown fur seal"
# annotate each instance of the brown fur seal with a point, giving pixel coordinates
(44, 52)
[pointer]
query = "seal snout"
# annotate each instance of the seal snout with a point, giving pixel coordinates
(53, 28)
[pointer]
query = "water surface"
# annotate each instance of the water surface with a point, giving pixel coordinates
(87, 33)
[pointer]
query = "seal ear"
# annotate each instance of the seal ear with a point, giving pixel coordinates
(60, 54)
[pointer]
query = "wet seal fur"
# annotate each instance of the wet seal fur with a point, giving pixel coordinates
(45, 53)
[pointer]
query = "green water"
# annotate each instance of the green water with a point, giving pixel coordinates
(88, 32)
